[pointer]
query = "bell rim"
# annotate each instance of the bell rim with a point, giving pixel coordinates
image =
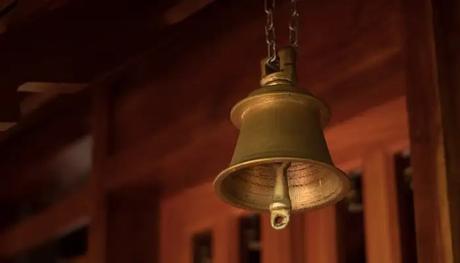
(233, 168)
(238, 111)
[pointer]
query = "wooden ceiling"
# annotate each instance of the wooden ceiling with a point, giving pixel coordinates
(76, 41)
(184, 62)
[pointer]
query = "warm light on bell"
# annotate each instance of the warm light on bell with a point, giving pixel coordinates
(281, 162)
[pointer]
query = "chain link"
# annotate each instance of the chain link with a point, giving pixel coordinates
(294, 25)
(270, 36)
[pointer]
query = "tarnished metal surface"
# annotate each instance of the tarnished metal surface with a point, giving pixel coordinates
(281, 161)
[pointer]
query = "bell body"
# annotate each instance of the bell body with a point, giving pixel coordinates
(280, 124)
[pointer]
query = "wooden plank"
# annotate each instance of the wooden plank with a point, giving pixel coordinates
(124, 225)
(191, 212)
(56, 221)
(447, 28)
(28, 150)
(321, 239)
(283, 245)
(433, 104)
(384, 124)
(226, 240)
(381, 208)
(97, 236)
(51, 87)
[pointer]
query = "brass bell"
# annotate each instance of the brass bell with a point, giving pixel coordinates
(281, 161)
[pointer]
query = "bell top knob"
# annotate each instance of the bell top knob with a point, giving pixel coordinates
(281, 71)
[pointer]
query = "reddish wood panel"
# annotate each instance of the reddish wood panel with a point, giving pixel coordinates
(321, 236)
(433, 114)
(447, 28)
(285, 245)
(191, 212)
(380, 207)
(226, 240)
(384, 125)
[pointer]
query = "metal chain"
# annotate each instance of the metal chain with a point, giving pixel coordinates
(270, 36)
(294, 25)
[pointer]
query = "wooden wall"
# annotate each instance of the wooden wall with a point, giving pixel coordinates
(160, 133)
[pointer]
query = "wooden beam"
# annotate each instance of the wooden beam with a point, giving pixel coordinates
(4, 126)
(98, 229)
(54, 222)
(381, 208)
(33, 102)
(15, 110)
(447, 29)
(68, 25)
(51, 87)
(432, 29)
(46, 135)
(321, 229)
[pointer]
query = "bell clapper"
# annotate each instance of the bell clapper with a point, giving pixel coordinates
(280, 208)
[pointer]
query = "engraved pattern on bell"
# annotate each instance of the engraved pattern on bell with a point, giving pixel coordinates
(310, 185)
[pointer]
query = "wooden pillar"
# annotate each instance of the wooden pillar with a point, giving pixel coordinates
(285, 245)
(100, 133)
(381, 208)
(321, 236)
(124, 224)
(226, 240)
(433, 95)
